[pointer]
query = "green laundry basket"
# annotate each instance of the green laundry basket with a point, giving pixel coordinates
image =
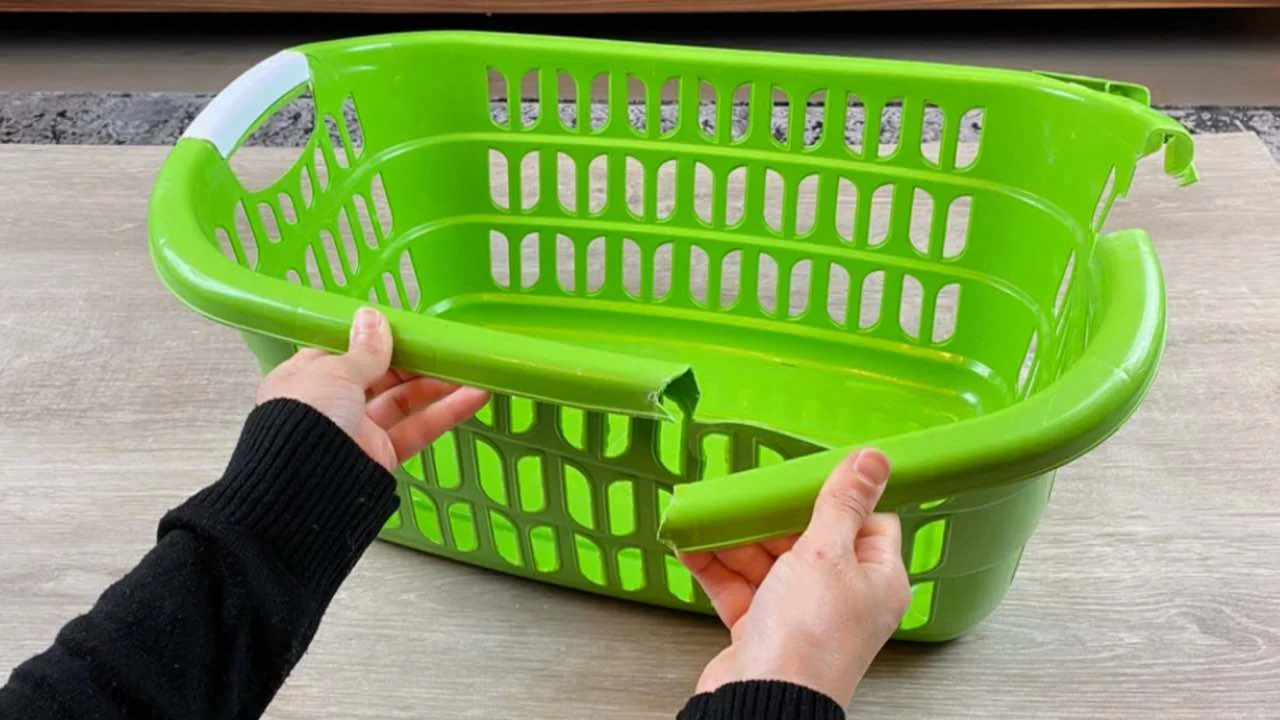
(701, 214)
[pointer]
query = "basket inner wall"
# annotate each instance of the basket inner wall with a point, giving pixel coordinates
(828, 262)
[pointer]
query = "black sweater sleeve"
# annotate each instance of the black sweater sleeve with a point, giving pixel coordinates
(761, 700)
(211, 621)
(215, 616)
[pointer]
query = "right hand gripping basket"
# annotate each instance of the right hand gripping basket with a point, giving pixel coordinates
(580, 252)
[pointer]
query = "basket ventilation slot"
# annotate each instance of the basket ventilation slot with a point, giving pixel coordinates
(931, 150)
(707, 109)
(880, 213)
(499, 105)
(741, 113)
(567, 183)
(781, 117)
(524, 101)
(855, 124)
(890, 136)
(597, 184)
(814, 110)
(921, 220)
(956, 234)
(637, 107)
(530, 187)
(970, 137)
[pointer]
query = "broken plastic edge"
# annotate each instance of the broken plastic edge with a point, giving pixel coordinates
(683, 390)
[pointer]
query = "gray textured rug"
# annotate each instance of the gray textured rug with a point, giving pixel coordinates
(159, 118)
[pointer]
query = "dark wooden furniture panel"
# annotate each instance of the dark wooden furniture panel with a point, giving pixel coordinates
(596, 6)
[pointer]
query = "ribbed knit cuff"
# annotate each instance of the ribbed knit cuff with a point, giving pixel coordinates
(761, 700)
(303, 489)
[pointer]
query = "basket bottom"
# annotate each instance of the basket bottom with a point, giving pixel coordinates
(787, 378)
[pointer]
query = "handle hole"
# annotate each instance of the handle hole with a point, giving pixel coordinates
(271, 158)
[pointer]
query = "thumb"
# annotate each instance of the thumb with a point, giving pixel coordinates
(369, 352)
(846, 501)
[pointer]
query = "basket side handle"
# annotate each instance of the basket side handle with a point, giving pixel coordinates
(188, 264)
(1161, 129)
(192, 268)
(258, 92)
(1056, 425)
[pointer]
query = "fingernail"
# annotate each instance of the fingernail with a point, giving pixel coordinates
(872, 465)
(366, 323)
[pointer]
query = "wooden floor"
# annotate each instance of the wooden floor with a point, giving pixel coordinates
(1152, 588)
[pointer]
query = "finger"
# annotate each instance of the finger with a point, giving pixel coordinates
(415, 432)
(777, 547)
(880, 542)
(369, 352)
(405, 399)
(389, 379)
(846, 500)
(752, 562)
(374, 441)
(729, 592)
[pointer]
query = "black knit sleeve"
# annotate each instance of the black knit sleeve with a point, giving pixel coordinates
(761, 700)
(215, 616)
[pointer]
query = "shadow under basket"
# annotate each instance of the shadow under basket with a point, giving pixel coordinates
(695, 279)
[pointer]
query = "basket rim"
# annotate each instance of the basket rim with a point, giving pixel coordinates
(1059, 423)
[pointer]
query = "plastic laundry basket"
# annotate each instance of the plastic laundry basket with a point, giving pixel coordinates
(692, 292)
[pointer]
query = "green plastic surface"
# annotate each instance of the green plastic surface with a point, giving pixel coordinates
(822, 305)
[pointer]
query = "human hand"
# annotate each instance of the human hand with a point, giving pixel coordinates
(391, 415)
(812, 609)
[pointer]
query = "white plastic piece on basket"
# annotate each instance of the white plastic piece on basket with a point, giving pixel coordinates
(231, 114)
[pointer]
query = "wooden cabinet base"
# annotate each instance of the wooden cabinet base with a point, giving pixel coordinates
(593, 6)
